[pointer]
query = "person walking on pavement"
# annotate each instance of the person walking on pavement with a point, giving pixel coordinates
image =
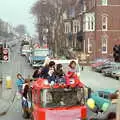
(25, 102)
(19, 82)
(82, 68)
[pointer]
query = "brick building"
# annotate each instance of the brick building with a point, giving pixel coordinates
(101, 27)
(72, 24)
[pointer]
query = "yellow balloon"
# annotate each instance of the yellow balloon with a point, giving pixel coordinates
(91, 103)
(91, 106)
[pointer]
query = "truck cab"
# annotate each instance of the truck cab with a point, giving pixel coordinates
(38, 57)
(58, 102)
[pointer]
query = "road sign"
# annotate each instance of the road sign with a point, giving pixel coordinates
(5, 54)
(5, 57)
(5, 51)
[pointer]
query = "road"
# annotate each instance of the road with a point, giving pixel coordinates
(19, 65)
(97, 81)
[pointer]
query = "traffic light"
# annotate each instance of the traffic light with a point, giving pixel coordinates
(116, 53)
(5, 54)
(1, 52)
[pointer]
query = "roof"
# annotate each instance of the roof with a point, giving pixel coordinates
(109, 90)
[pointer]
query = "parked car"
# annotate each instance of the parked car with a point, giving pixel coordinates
(99, 64)
(108, 72)
(102, 96)
(116, 74)
(103, 67)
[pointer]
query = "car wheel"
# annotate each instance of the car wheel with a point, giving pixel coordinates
(117, 78)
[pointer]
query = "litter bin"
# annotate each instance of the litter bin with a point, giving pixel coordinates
(8, 82)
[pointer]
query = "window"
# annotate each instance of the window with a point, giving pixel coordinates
(92, 23)
(67, 27)
(76, 26)
(89, 46)
(104, 44)
(91, 4)
(104, 22)
(104, 2)
(89, 22)
(100, 94)
(62, 97)
(106, 96)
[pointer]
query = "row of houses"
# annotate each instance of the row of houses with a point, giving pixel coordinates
(95, 28)
(7, 28)
(88, 26)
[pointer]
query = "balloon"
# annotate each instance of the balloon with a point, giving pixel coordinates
(91, 103)
(105, 107)
(91, 106)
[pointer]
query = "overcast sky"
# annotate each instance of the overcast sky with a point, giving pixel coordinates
(18, 12)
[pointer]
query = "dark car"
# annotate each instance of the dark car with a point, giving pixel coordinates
(116, 74)
(99, 62)
(108, 72)
(103, 67)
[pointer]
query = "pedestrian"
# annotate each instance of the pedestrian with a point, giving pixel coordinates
(19, 82)
(25, 102)
(82, 68)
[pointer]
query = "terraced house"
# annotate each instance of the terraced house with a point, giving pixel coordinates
(101, 27)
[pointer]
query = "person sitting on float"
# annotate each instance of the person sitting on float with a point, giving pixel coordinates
(51, 72)
(72, 73)
(59, 73)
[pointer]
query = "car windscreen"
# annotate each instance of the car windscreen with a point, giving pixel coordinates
(41, 53)
(63, 97)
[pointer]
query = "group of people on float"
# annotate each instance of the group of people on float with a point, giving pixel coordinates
(51, 72)
(54, 72)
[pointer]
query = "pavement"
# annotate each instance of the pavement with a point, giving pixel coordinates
(6, 100)
(10, 102)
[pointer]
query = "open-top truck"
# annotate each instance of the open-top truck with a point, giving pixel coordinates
(59, 101)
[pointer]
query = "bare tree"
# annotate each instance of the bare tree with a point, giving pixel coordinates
(49, 14)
